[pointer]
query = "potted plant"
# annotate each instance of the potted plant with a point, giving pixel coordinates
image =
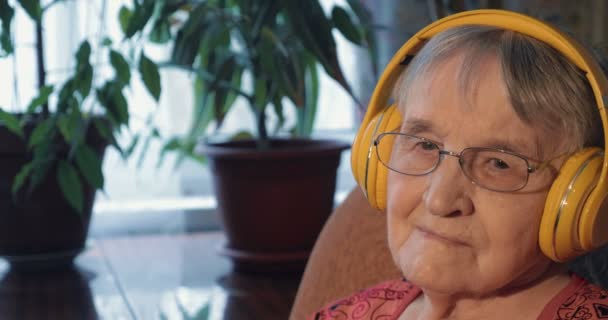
(51, 151)
(275, 186)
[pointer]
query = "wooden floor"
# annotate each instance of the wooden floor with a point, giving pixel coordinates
(147, 277)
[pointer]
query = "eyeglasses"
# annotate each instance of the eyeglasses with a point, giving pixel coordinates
(493, 169)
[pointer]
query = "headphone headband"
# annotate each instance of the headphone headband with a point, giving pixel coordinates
(523, 24)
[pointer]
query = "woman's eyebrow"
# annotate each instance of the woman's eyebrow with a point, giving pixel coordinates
(416, 125)
(517, 146)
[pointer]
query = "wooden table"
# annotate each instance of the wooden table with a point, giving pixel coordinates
(147, 277)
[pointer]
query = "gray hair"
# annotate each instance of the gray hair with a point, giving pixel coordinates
(546, 90)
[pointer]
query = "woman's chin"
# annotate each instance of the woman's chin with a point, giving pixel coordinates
(435, 267)
(431, 277)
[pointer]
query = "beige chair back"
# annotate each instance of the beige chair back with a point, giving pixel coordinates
(350, 254)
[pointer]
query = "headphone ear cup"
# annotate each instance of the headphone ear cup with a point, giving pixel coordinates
(559, 234)
(369, 173)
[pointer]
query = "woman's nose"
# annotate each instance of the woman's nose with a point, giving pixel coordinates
(447, 188)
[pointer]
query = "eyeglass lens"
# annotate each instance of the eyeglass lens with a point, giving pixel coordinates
(489, 168)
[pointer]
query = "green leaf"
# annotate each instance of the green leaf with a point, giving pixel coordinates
(150, 76)
(71, 103)
(218, 37)
(203, 313)
(106, 42)
(342, 21)
(11, 122)
(65, 95)
(314, 30)
(42, 98)
(103, 129)
(121, 66)
(129, 151)
(32, 7)
(264, 14)
(69, 126)
(6, 17)
(225, 74)
(277, 105)
(70, 185)
(187, 149)
(90, 165)
(362, 13)
(242, 135)
(44, 156)
(228, 97)
(84, 74)
(309, 112)
(161, 32)
(21, 177)
(41, 132)
(365, 18)
(139, 18)
(124, 16)
(188, 38)
(121, 106)
(83, 54)
(289, 69)
(203, 110)
(312, 27)
(84, 79)
(64, 127)
(110, 96)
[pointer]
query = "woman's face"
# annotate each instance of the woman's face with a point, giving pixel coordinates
(446, 233)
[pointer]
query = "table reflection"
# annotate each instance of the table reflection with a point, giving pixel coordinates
(235, 296)
(176, 277)
(60, 294)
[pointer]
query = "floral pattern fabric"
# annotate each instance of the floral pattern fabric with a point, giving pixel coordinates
(587, 302)
(385, 301)
(580, 300)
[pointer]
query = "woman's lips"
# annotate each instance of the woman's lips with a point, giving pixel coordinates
(427, 233)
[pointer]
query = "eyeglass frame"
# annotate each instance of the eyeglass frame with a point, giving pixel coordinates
(529, 168)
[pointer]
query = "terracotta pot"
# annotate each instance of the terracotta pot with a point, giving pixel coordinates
(273, 203)
(40, 231)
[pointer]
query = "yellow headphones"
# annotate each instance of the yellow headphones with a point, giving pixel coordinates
(572, 222)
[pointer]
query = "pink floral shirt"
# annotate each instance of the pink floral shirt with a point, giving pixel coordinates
(579, 300)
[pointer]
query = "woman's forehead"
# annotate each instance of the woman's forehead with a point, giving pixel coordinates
(440, 102)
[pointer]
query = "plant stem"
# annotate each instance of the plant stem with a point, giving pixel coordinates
(17, 101)
(40, 63)
(262, 141)
(48, 6)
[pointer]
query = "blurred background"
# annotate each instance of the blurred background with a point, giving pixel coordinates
(151, 250)
(139, 186)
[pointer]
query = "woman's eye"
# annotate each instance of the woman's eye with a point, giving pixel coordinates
(499, 164)
(425, 145)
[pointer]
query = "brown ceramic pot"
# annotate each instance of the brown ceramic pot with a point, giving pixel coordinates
(273, 203)
(42, 230)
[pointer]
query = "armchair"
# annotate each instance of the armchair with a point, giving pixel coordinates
(351, 253)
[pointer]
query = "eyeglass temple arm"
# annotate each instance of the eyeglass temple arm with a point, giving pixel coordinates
(546, 163)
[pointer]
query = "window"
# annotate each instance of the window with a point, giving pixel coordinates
(138, 187)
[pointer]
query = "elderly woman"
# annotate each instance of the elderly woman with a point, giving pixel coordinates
(492, 126)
